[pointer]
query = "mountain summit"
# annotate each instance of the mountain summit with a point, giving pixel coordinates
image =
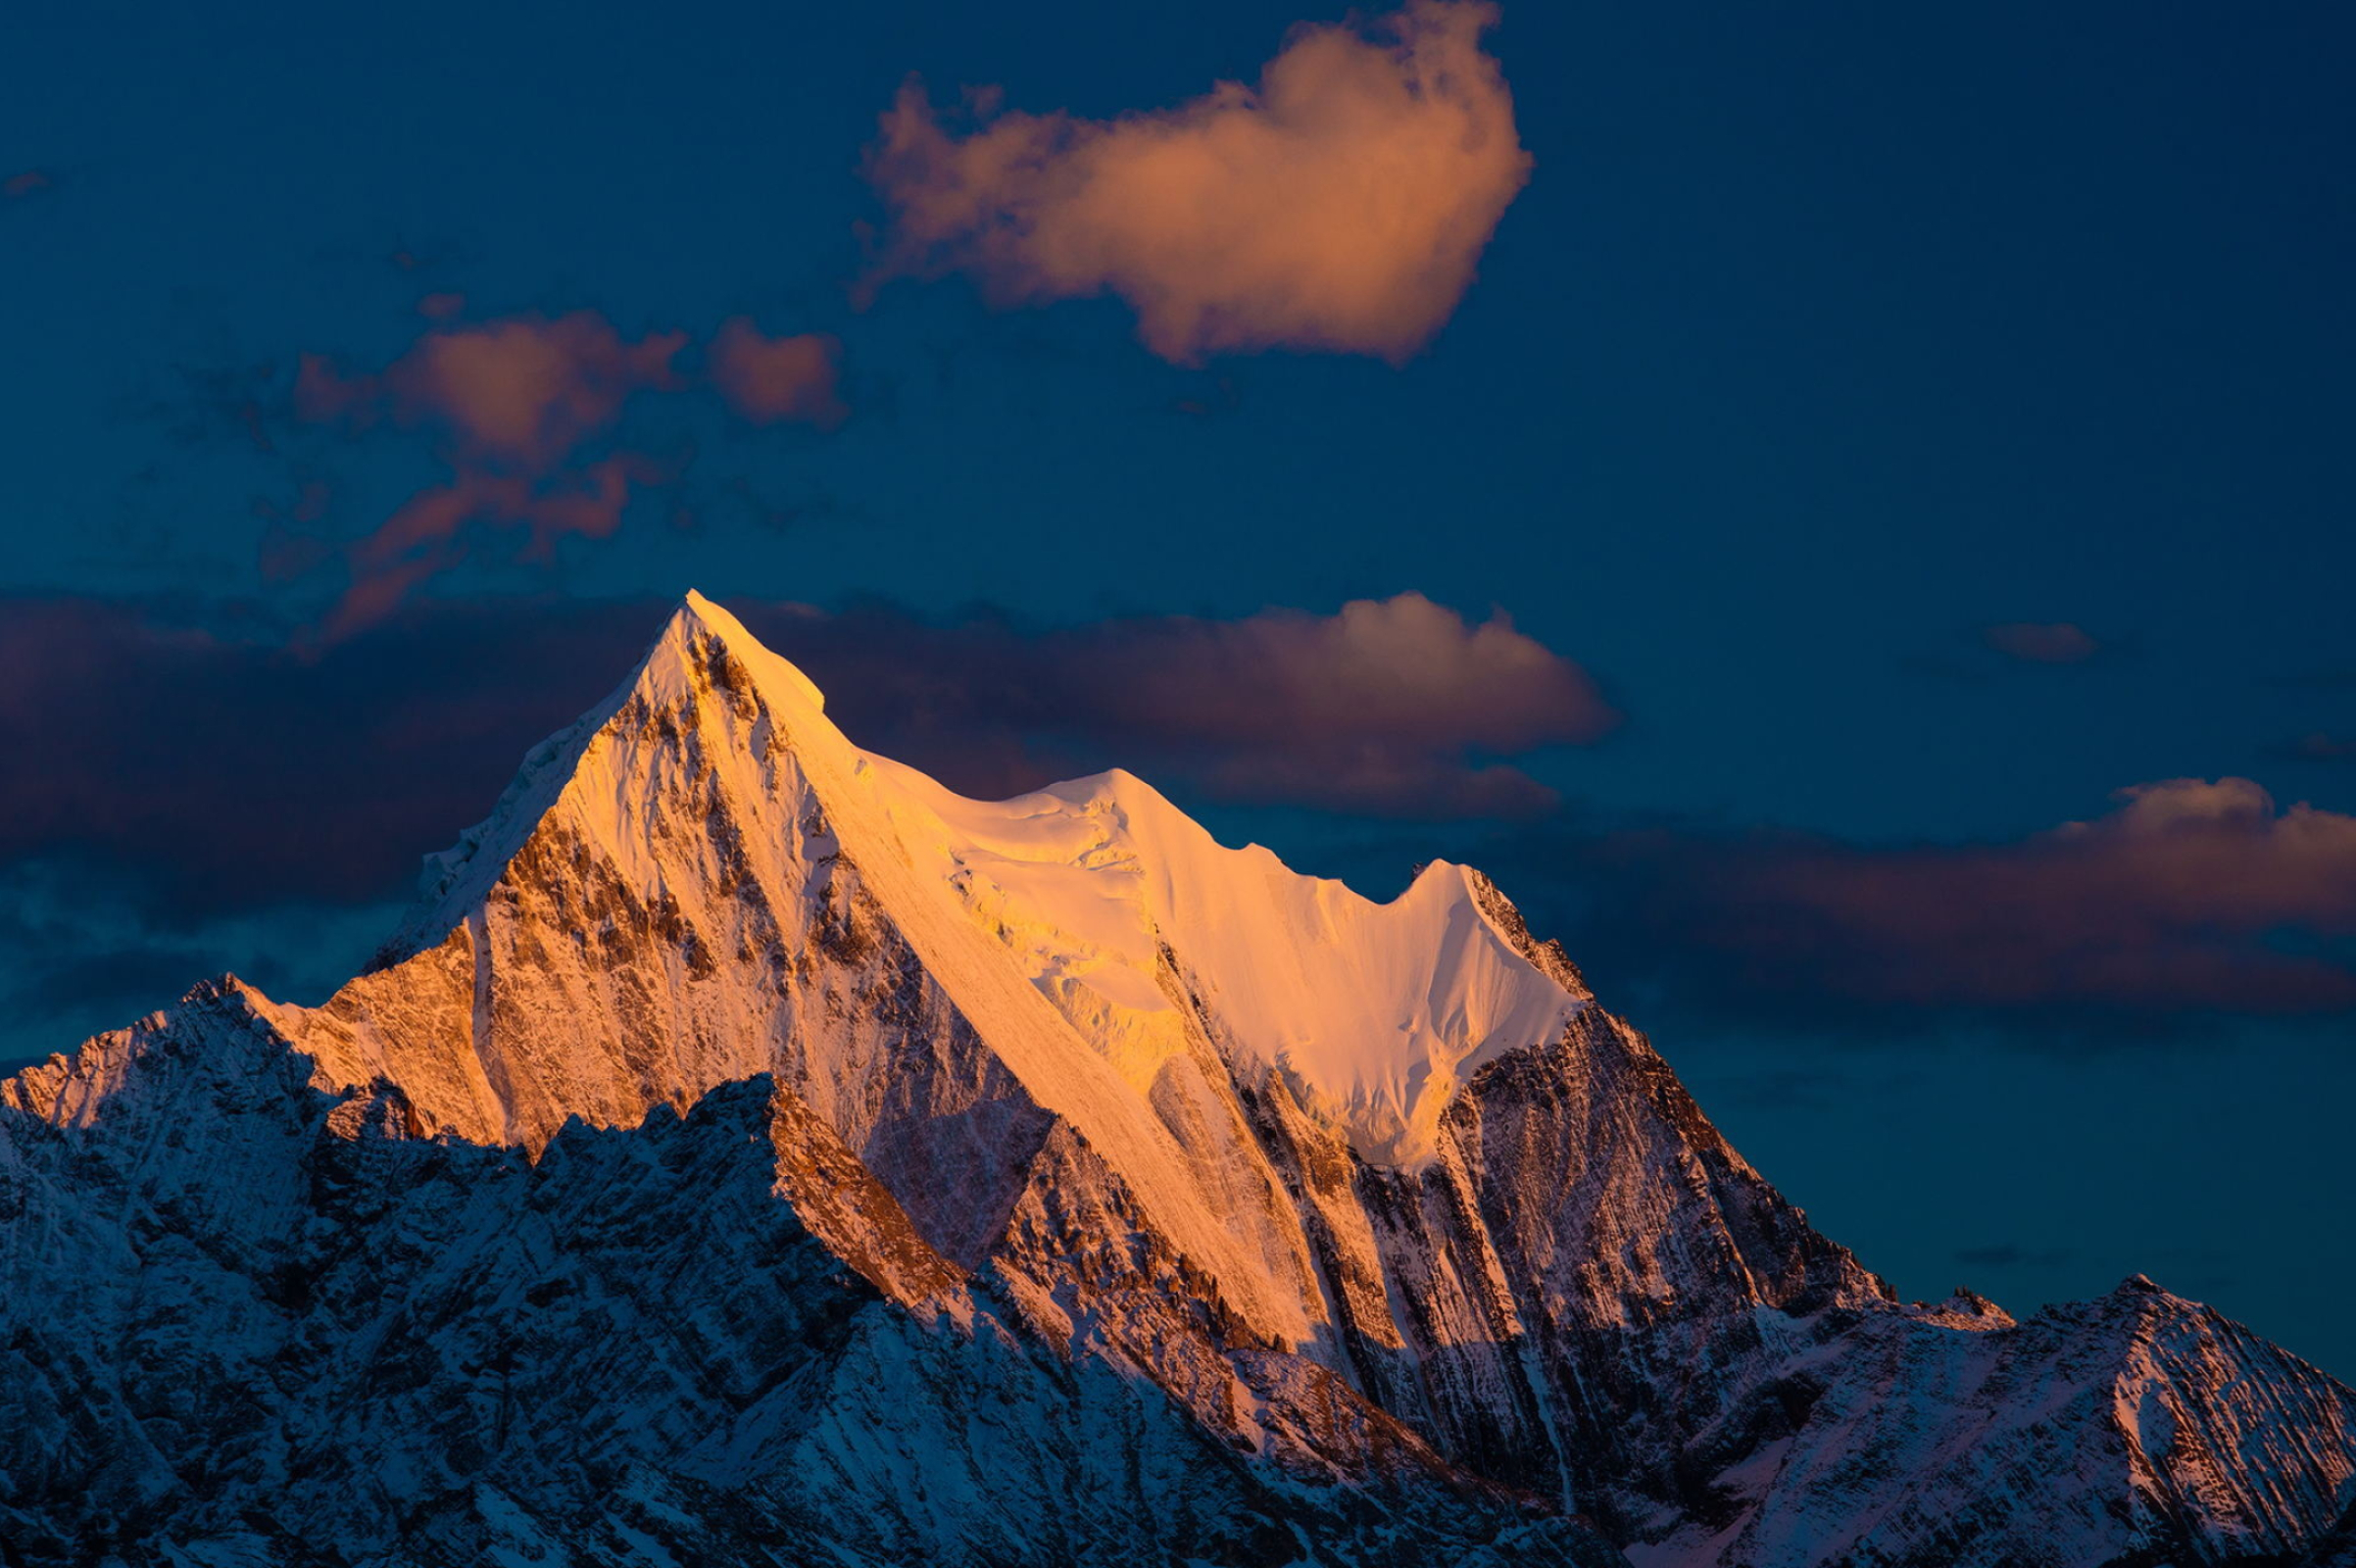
(1095, 891)
(752, 1152)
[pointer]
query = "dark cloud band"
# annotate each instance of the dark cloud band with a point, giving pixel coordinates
(229, 769)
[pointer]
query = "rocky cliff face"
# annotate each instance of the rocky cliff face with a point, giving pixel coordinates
(752, 1152)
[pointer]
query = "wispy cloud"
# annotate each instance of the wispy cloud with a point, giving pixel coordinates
(520, 393)
(2318, 746)
(525, 413)
(2034, 642)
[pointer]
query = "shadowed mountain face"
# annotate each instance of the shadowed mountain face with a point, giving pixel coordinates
(752, 1152)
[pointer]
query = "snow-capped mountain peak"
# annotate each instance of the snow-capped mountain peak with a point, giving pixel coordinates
(1114, 903)
(753, 1151)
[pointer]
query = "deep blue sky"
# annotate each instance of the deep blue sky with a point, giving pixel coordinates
(1823, 339)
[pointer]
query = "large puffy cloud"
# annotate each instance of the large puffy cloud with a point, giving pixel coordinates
(1340, 205)
(203, 757)
(2188, 896)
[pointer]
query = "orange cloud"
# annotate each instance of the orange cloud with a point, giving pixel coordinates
(420, 540)
(31, 183)
(770, 379)
(525, 410)
(519, 393)
(1340, 205)
(1362, 699)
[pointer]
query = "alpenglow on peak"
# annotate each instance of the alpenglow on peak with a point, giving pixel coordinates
(1113, 905)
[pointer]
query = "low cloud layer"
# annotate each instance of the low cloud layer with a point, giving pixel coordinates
(223, 771)
(227, 772)
(2188, 897)
(1340, 205)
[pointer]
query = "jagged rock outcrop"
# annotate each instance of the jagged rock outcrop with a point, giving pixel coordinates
(752, 1152)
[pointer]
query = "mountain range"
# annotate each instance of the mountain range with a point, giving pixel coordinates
(751, 1152)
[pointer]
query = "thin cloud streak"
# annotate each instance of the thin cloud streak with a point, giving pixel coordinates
(2188, 897)
(2041, 642)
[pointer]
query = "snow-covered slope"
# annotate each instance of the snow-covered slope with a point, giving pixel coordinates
(752, 1150)
(1375, 1014)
